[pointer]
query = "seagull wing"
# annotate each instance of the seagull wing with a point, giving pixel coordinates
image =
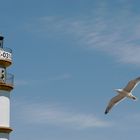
(114, 101)
(132, 84)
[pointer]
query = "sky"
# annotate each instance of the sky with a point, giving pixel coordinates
(68, 57)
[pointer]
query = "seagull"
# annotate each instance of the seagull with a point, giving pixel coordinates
(123, 93)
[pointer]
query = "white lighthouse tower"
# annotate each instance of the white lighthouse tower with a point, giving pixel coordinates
(6, 85)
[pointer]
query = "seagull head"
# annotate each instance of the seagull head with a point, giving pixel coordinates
(118, 90)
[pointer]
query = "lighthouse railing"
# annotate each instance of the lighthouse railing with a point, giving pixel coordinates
(9, 79)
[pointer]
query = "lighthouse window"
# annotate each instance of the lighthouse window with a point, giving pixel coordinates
(2, 75)
(0, 43)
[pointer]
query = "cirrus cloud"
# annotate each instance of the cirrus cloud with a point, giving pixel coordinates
(114, 32)
(43, 114)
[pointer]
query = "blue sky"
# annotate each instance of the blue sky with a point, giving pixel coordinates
(68, 57)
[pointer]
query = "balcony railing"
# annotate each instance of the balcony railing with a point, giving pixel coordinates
(8, 80)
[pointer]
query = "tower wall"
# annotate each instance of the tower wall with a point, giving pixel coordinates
(4, 108)
(4, 136)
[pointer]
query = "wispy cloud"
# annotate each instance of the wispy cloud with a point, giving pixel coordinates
(114, 32)
(43, 114)
(21, 82)
(25, 82)
(130, 122)
(59, 77)
(29, 82)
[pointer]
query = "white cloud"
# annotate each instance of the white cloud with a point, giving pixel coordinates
(128, 54)
(43, 114)
(64, 76)
(29, 82)
(26, 82)
(114, 32)
(130, 122)
(21, 83)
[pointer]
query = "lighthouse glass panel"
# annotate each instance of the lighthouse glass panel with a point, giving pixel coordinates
(2, 75)
(1, 43)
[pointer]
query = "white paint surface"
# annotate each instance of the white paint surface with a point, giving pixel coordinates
(4, 108)
(4, 55)
(4, 136)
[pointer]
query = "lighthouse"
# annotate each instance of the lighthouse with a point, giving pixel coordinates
(6, 86)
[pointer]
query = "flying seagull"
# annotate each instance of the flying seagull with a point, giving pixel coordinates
(123, 93)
